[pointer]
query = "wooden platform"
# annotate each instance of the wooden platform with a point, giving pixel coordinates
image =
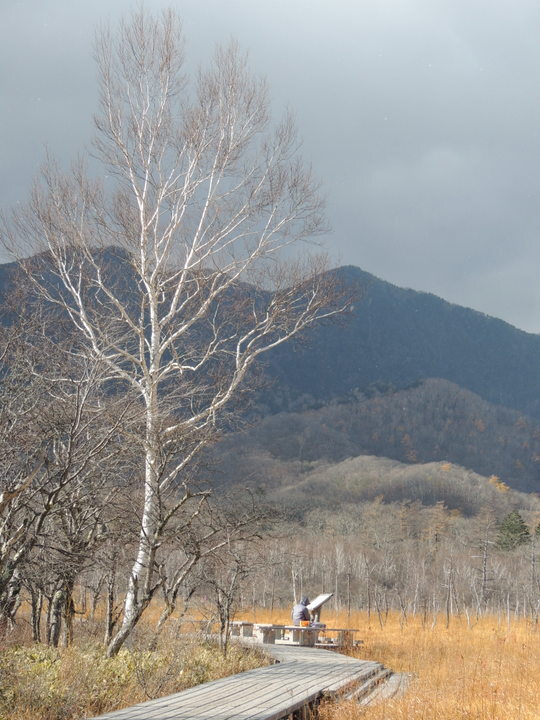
(300, 677)
(307, 635)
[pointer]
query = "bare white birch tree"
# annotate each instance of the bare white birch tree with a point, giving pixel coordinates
(176, 267)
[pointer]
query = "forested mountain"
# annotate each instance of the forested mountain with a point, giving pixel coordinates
(403, 375)
(392, 338)
(433, 421)
(395, 337)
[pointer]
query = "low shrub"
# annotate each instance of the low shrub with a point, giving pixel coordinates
(42, 683)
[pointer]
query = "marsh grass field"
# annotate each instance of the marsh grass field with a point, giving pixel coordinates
(482, 672)
(471, 670)
(485, 669)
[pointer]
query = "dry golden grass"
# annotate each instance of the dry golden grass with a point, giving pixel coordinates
(482, 671)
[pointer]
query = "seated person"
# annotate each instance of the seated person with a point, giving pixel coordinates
(300, 611)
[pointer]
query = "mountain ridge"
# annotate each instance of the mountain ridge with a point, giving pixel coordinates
(356, 272)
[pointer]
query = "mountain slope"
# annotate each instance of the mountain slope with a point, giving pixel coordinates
(433, 421)
(396, 337)
(393, 338)
(367, 479)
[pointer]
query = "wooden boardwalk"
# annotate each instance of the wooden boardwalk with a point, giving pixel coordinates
(301, 676)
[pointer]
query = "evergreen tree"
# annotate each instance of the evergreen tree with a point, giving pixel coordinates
(513, 531)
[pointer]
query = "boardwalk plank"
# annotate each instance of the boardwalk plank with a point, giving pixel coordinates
(302, 675)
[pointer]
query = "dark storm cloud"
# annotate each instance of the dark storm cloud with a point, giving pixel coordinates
(420, 117)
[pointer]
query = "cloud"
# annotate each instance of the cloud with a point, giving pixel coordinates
(420, 116)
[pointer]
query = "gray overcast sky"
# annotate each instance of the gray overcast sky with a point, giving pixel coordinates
(421, 117)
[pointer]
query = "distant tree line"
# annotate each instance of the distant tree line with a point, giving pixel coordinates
(409, 558)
